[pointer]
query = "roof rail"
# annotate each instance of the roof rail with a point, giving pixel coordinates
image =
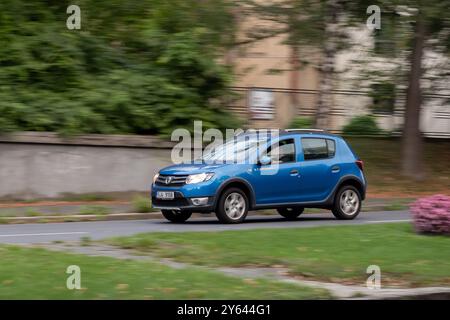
(307, 130)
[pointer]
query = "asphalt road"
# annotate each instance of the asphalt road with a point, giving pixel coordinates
(69, 231)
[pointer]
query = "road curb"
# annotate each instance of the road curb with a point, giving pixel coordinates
(82, 217)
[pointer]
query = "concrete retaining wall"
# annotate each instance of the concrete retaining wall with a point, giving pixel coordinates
(34, 165)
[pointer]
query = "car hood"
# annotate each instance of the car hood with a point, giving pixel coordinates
(180, 169)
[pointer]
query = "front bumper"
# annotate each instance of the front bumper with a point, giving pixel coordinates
(180, 202)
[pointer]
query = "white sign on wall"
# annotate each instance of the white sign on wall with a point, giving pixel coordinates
(262, 104)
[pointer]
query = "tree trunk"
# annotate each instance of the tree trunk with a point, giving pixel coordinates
(294, 76)
(412, 144)
(326, 69)
(324, 94)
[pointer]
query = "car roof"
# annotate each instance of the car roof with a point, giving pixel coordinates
(307, 132)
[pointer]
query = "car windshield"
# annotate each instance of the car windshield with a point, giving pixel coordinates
(236, 150)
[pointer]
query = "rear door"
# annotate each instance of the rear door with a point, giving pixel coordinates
(319, 168)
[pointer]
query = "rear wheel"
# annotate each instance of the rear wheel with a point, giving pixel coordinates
(290, 213)
(232, 206)
(347, 203)
(177, 216)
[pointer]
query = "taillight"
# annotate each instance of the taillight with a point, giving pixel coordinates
(360, 164)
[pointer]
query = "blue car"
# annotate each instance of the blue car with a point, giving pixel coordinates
(294, 170)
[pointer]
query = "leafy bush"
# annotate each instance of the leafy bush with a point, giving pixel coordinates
(142, 204)
(432, 214)
(301, 123)
(362, 125)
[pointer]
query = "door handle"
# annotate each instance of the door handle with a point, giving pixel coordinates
(293, 172)
(335, 169)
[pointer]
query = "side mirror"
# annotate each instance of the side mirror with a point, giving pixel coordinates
(265, 160)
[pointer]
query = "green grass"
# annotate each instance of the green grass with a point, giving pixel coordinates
(30, 212)
(382, 159)
(94, 210)
(339, 254)
(397, 205)
(32, 273)
(86, 197)
(142, 204)
(85, 241)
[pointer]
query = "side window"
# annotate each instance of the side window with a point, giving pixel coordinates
(317, 148)
(331, 148)
(283, 152)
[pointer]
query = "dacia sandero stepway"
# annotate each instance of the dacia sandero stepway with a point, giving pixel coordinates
(294, 170)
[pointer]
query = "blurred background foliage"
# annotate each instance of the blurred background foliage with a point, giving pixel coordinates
(134, 67)
(302, 123)
(361, 126)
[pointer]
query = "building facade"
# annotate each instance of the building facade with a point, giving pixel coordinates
(271, 91)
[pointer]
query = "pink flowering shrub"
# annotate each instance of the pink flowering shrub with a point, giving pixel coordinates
(432, 214)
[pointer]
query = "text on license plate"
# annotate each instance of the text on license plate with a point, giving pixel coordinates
(166, 195)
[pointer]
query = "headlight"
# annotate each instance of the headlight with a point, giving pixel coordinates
(155, 177)
(197, 178)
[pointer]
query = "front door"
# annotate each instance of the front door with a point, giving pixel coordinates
(278, 182)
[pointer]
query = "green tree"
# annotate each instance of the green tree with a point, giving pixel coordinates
(429, 27)
(142, 67)
(306, 23)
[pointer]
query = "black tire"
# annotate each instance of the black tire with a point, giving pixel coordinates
(176, 216)
(290, 213)
(339, 208)
(225, 215)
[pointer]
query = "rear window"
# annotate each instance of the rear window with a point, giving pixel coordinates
(318, 148)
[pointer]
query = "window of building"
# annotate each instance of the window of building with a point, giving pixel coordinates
(383, 97)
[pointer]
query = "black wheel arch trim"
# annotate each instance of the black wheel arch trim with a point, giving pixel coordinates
(349, 178)
(228, 182)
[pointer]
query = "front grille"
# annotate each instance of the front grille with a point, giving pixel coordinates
(171, 180)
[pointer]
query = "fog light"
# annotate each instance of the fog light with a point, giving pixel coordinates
(199, 201)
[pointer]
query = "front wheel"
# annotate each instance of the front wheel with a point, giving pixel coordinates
(347, 203)
(290, 213)
(177, 216)
(233, 206)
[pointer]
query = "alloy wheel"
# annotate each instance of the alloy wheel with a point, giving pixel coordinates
(234, 206)
(349, 202)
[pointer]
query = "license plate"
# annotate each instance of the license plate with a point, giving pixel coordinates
(165, 195)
